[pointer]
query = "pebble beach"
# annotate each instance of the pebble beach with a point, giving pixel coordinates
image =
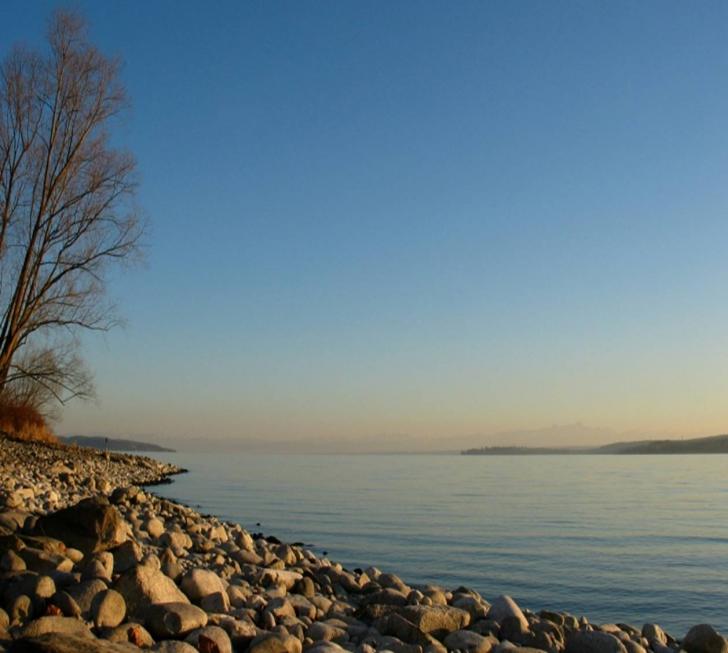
(91, 560)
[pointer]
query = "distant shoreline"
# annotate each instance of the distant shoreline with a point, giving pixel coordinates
(716, 444)
(113, 444)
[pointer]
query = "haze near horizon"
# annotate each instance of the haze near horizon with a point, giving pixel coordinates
(375, 219)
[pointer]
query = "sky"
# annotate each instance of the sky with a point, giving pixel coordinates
(420, 220)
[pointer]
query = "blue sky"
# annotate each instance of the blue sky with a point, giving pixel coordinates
(426, 218)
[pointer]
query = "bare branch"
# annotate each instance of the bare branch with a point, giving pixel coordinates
(66, 204)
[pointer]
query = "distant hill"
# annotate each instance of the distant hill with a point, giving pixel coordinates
(523, 451)
(113, 444)
(711, 444)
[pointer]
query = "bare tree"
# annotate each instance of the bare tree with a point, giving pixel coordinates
(66, 209)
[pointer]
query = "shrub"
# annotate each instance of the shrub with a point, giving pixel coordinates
(24, 422)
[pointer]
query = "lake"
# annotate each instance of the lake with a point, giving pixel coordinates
(616, 538)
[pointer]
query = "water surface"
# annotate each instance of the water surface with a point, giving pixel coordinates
(616, 538)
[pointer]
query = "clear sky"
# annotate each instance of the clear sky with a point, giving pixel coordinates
(423, 218)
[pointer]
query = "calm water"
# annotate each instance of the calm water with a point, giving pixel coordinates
(616, 538)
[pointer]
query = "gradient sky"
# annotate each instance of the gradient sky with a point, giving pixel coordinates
(422, 218)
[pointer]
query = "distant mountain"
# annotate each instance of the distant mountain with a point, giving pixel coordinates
(113, 444)
(711, 444)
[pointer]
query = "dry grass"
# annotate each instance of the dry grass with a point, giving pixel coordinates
(24, 423)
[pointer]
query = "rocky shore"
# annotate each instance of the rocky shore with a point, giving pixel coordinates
(90, 561)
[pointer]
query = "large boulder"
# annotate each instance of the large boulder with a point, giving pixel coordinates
(92, 525)
(143, 586)
(704, 639)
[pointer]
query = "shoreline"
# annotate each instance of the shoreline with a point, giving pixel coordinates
(125, 568)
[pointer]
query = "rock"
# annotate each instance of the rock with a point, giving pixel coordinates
(653, 632)
(44, 562)
(305, 587)
(66, 604)
(126, 555)
(129, 632)
(275, 643)
(395, 625)
(64, 625)
(169, 565)
(386, 597)
(704, 639)
(35, 586)
(513, 630)
(280, 608)
(329, 647)
(586, 641)
(143, 586)
(321, 631)
(172, 646)
(170, 620)
(633, 647)
(504, 606)
(11, 561)
(90, 526)
(466, 640)
(217, 602)
(154, 527)
(108, 609)
(95, 569)
(69, 643)
(85, 593)
(177, 540)
(212, 639)
(280, 577)
(198, 583)
(437, 620)
(476, 608)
